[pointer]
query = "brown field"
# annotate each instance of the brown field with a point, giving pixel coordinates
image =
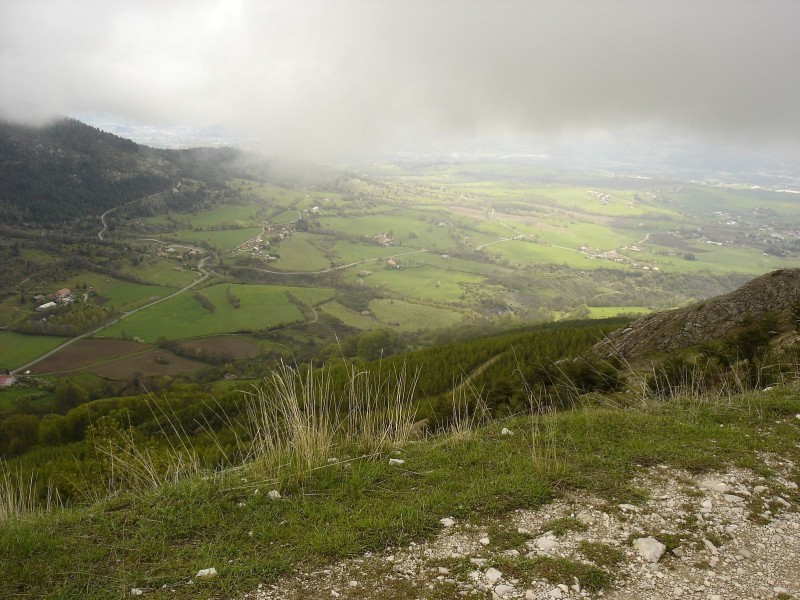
(221, 346)
(155, 361)
(114, 359)
(87, 352)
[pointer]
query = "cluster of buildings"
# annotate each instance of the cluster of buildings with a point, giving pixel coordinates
(602, 197)
(62, 296)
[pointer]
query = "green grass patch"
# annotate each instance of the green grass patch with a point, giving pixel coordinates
(604, 312)
(16, 349)
(260, 307)
(302, 252)
(163, 537)
(413, 317)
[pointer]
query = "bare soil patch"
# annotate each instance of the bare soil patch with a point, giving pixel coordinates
(87, 352)
(155, 361)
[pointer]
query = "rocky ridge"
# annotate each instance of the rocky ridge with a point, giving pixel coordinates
(718, 536)
(704, 321)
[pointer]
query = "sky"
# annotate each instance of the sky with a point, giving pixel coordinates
(329, 78)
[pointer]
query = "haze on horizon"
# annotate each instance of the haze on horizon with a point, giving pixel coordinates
(325, 79)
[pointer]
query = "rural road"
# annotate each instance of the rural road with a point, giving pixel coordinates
(204, 274)
(110, 210)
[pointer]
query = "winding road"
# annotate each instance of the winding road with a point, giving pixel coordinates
(204, 274)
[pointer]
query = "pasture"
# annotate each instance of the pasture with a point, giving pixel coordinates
(17, 349)
(182, 317)
(410, 316)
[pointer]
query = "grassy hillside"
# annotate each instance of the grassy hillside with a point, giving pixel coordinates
(158, 539)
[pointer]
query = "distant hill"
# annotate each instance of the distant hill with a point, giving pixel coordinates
(707, 321)
(67, 169)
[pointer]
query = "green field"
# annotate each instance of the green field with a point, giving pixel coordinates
(439, 284)
(162, 272)
(302, 252)
(222, 241)
(261, 306)
(349, 317)
(17, 349)
(413, 317)
(604, 312)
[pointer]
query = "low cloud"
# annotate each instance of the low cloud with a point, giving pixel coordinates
(323, 78)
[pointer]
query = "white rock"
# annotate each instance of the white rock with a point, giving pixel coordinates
(504, 591)
(650, 548)
(715, 485)
(546, 544)
(353, 583)
(137, 591)
(759, 489)
(506, 431)
(396, 461)
(706, 504)
(555, 593)
(733, 498)
(274, 495)
(206, 573)
(444, 571)
(781, 501)
(447, 522)
(530, 595)
(628, 508)
(484, 541)
(492, 575)
(710, 546)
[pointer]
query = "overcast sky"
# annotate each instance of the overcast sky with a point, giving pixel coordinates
(334, 76)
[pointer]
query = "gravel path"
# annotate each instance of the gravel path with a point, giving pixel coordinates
(720, 536)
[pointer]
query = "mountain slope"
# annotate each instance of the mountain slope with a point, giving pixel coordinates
(774, 292)
(67, 169)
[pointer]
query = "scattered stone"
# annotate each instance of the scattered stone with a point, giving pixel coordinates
(744, 553)
(546, 544)
(206, 573)
(137, 591)
(396, 462)
(504, 590)
(530, 595)
(506, 431)
(492, 575)
(629, 508)
(650, 548)
(274, 495)
(447, 522)
(710, 546)
(781, 501)
(733, 498)
(484, 541)
(715, 485)
(678, 552)
(555, 593)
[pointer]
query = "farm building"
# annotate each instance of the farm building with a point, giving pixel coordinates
(46, 306)
(7, 380)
